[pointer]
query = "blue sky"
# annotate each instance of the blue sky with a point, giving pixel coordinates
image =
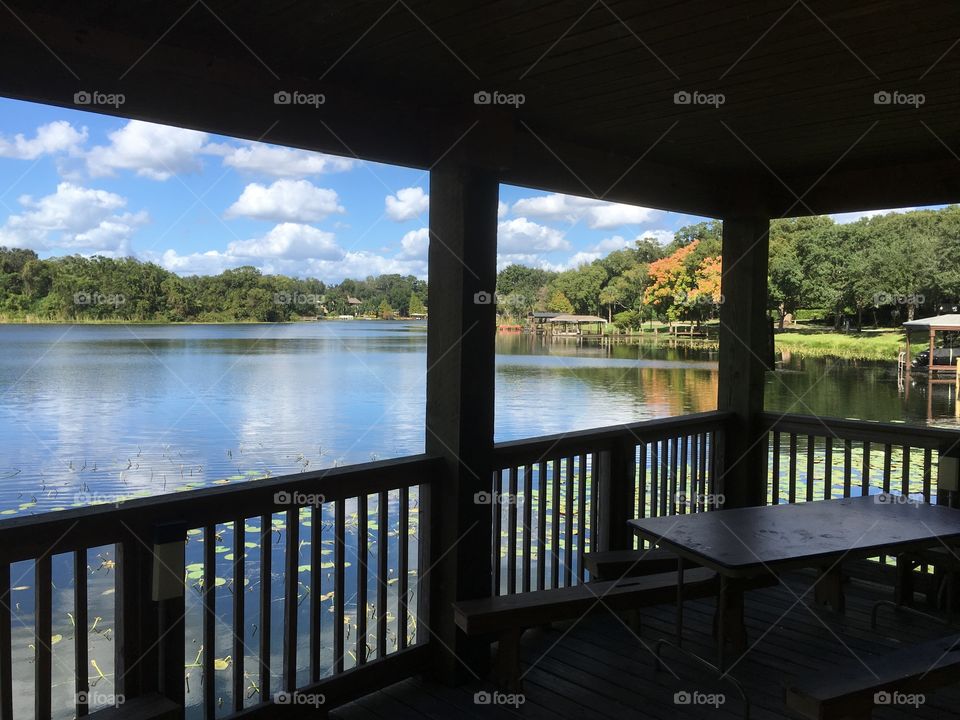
(196, 203)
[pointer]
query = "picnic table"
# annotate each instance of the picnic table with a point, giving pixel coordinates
(746, 542)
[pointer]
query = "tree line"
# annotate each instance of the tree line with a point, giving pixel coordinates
(76, 288)
(879, 270)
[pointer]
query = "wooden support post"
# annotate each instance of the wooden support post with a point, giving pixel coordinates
(461, 337)
(743, 358)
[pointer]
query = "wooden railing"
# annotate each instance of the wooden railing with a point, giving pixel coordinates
(556, 497)
(299, 590)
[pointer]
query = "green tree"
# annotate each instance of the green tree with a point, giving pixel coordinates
(559, 303)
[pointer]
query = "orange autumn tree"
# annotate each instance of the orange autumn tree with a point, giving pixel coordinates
(683, 285)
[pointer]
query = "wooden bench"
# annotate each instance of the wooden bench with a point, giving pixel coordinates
(852, 691)
(508, 616)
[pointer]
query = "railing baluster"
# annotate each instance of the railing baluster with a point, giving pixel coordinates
(542, 526)
(209, 620)
(6, 646)
(865, 471)
(527, 529)
(887, 466)
(641, 484)
(792, 491)
(266, 582)
(383, 547)
(80, 637)
(555, 525)
(568, 525)
(674, 462)
(775, 471)
(684, 457)
(581, 515)
(43, 632)
(905, 472)
(847, 466)
(316, 584)
(339, 545)
(291, 591)
(811, 467)
(239, 548)
(497, 541)
(403, 568)
(512, 531)
(828, 467)
(666, 500)
(927, 471)
(362, 575)
(654, 478)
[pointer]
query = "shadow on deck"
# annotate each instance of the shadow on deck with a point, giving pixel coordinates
(596, 668)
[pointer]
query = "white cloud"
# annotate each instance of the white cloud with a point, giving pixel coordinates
(599, 214)
(502, 209)
(153, 151)
(286, 200)
(289, 241)
(520, 235)
(844, 218)
(407, 204)
(58, 136)
(415, 244)
(279, 161)
(208, 263)
(75, 218)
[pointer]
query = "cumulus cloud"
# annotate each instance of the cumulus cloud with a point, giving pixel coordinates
(278, 161)
(844, 218)
(415, 244)
(286, 200)
(153, 151)
(56, 137)
(407, 204)
(520, 235)
(75, 218)
(502, 209)
(287, 240)
(598, 214)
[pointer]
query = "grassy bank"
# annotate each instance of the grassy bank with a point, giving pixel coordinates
(866, 345)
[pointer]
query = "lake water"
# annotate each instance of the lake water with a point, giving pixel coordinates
(90, 413)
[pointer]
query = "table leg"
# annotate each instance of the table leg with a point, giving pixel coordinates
(731, 629)
(679, 601)
(828, 590)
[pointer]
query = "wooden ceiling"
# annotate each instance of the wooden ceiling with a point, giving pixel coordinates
(798, 131)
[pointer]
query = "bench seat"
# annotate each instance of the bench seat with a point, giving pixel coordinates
(850, 690)
(614, 564)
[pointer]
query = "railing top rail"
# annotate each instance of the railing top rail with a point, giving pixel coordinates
(27, 537)
(866, 430)
(546, 447)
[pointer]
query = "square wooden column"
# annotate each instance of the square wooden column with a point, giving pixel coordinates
(461, 334)
(744, 354)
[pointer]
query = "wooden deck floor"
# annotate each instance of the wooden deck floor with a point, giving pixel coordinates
(597, 668)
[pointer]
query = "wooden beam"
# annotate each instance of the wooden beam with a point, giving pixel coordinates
(744, 349)
(460, 401)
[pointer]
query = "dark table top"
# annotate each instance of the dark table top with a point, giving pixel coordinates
(745, 541)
